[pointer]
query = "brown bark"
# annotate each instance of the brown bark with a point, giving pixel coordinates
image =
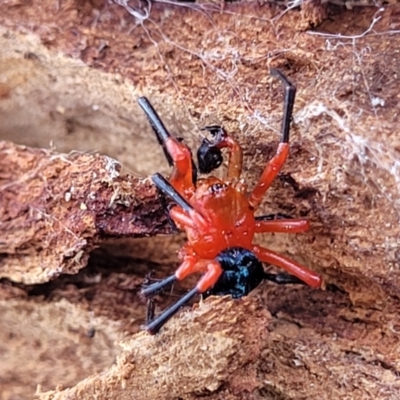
(56, 208)
(340, 342)
(217, 345)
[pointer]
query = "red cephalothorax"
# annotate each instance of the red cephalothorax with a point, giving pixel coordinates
(226, 220)
(218, 216)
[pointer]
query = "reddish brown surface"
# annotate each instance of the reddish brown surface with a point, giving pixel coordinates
(56, 208)
(198, 64)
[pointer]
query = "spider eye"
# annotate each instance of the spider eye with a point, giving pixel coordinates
(217, 187)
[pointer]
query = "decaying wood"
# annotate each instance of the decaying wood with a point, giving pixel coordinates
(48, 343)
(56, 208)
(215, 347)
(196, 63)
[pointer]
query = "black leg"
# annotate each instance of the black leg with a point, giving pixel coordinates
(271, 217)
(154, 288)
(165, 187)
(283, 279)
(150, 303)
(273, 167)
(154, 326)
(151, 306)
(161, 132)
(290, 93)
(158, 127)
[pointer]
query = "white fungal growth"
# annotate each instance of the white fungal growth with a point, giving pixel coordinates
(112, 167)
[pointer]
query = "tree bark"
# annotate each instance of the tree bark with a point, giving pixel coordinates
(70, 219)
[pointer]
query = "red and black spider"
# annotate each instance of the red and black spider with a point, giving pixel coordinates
(218, 215)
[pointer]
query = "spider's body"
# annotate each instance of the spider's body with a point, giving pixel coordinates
(218, 216)
(243, 272)
(228, 219)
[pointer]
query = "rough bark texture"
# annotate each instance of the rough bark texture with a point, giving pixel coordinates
(55, 209)
(69, 75)
(216, 342)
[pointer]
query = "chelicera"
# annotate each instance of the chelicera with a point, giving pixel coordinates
(218, 215)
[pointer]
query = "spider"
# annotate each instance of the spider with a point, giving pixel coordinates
(218, 215)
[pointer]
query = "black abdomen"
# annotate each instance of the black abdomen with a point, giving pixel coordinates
(243, 272)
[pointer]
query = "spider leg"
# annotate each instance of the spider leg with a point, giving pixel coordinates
(187, 215)
(187, 267)
(211, 268)
(282, 225)
(282, 279)
(154, 288)
(270, 217)
(154, 326)
(209, 153)
(150, 304)
(178, 154)
(310, 277)
(209, 278)
(169, 190)
(150, 309)
(275, 164)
